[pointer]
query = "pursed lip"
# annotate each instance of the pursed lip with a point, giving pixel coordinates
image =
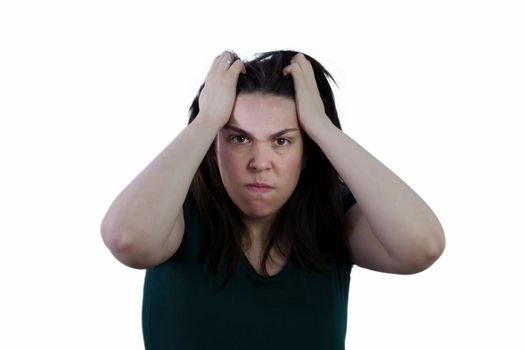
(259, 185)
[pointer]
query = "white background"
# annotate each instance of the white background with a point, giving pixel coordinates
(92, 91)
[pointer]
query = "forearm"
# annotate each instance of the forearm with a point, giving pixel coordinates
(145, 211)
(401, 220)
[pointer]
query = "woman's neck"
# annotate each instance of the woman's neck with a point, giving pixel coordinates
(257, 230)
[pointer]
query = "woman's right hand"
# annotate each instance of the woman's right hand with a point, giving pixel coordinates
(218, 95)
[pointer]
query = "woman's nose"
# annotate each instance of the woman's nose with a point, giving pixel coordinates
(260, 158)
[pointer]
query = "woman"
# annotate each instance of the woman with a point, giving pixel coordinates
(246, 223)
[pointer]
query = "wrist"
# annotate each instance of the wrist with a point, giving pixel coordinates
(209, 121)
(322, 127)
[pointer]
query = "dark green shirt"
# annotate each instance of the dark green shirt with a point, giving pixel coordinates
(293, 309)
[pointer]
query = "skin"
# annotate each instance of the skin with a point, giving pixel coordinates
(254, 155)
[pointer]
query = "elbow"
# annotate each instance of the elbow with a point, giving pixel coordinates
(419, 257)
(436, 246)
(115, 240)
(122, 249)
(429, 252)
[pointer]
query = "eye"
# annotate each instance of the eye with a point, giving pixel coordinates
(282, 141)
(238, 139)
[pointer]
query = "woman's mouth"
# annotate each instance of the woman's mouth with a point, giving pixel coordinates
(259, 187)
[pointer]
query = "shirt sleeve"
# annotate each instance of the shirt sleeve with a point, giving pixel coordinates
(347, 196)
(191, 239)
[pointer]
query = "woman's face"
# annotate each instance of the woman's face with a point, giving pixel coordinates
(261, 143)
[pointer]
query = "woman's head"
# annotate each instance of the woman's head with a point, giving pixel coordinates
(265, 105)
(305, 198)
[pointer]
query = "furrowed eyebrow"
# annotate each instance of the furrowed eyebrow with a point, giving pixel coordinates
(239, 130)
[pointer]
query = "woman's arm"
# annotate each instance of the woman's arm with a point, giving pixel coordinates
(398, 232)
(145, 223)
(390, 228)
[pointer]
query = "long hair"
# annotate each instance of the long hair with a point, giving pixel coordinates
(311, 221)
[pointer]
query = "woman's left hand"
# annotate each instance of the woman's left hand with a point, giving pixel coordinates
(308, 102)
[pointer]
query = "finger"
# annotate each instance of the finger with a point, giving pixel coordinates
(237, 67)
(306, 67)
(298, 58)
(228, 60)
(215, 60)
(305, 63)
(222, 61)
(293, 68)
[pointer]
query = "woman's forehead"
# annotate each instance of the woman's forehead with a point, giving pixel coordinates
(253, 112)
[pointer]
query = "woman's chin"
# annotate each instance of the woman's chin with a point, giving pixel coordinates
(258, 214)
